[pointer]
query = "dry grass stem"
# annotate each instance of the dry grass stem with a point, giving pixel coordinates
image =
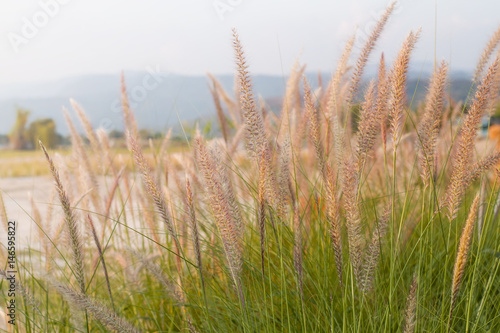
(105, 316)
(429, 126)
(297, 250)
(353, 217)
(153, 188)
(71, 224)
(194, 227)
(333, 218)
(468, 132)
(255, 134)
(486, 55)
(398, 78)
(365, 53)
(411, 308)
(374, 248)
(462, 254)
(101, 256)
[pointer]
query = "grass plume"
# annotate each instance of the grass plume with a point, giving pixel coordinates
(411, 308)
(105, 316)
(468, 132)
(430, 124)
(462, 254)
(71, 224)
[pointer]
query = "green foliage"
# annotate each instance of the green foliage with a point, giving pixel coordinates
(45, 130)
(18, 136)
(23, 137)
(114, 134)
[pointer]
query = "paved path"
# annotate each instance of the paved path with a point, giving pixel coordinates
(17, 194)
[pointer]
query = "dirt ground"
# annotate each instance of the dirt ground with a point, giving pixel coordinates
(17, 193)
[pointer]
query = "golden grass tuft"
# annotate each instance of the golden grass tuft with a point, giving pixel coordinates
(486, 55)
(366, 51)
(398, 78)
(411, 308)
(107, 317)
(353, 217)
(468, 132)
(71, 224)
(223, 209)
(429, 126)
(462, 254)
(333, 217)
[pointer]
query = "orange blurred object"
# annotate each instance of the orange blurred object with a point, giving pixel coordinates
(494, 134)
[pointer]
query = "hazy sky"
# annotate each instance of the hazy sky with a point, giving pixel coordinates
(192, 37)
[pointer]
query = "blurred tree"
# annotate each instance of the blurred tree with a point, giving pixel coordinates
(145, 134)
(45, 130)
(4, 139)
(17, 136)
(114, 134)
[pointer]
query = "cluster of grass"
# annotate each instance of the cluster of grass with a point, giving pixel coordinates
(293, 222)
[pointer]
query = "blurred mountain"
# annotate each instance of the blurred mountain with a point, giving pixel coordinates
(160, 100)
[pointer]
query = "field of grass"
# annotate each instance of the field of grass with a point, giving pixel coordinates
(22, 163)
(31, 163)
(290, 222)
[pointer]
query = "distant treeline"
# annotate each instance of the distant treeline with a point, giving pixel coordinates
(25, 135)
